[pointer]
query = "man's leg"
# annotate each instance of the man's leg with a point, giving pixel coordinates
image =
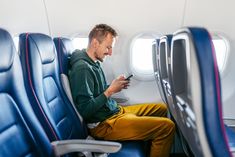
(137, 126)
(158, 110)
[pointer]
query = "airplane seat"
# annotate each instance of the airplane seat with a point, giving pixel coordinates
(41, 71)
(165, 71)
(196, 84)
(64, 48)
(58, 117)
(164, 66)
(156, 69)
(21, 132)
(231, 137)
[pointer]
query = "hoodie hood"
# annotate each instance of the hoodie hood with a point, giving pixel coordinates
(81, 55)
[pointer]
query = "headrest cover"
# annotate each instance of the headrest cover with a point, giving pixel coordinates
(167, 40)
(7, 50)
(68, 46)
(45, 46)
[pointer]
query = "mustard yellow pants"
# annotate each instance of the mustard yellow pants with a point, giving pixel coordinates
(140, 122)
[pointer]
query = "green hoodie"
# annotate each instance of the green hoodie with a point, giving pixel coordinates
(88, 84)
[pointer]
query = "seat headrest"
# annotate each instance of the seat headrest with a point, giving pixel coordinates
(44, 45)
(67, 46)
(64, 47)
(7, 50)
(167, 39)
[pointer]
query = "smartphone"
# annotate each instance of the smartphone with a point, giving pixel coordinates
(128, 78)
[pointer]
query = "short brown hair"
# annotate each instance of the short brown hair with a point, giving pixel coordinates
(100, 31)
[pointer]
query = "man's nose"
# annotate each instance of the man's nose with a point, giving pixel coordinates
(110, 51)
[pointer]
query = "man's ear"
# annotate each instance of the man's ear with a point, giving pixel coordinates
(95, 43)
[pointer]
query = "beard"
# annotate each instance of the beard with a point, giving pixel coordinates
(99, 58)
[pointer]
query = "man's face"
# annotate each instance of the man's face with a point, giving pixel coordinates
(104, 48)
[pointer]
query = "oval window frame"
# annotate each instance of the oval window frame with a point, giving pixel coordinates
(137, 74)
(222, 36)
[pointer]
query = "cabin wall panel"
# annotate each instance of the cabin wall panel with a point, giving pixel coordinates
(129, 17)
(19, 16)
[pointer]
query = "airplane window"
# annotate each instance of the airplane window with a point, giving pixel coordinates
(141, 57)
(221, 51)
(80, 43)
(142, 49)
(16, 42)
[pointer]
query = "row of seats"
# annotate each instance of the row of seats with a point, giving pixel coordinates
(187, 75)
(37, 117)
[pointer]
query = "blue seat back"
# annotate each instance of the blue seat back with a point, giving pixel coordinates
(165, 71)
(198, 93)
(64, 49)
(156, 69)
(41, 71)
(21, 132)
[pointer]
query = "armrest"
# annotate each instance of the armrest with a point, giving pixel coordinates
(120, 100)
(229, 122)
(69, 146)
(120, 97)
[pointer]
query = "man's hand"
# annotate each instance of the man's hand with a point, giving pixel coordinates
(117, 85)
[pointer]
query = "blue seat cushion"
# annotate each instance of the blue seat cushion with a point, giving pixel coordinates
(231, 136)
(132, 149)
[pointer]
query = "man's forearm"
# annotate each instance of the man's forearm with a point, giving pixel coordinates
(108, 93)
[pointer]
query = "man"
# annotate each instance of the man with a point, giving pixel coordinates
(104, 117)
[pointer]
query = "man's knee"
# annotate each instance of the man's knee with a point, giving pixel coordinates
(163, 107)
(167, 125)
(170, 126)
(165, 128)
